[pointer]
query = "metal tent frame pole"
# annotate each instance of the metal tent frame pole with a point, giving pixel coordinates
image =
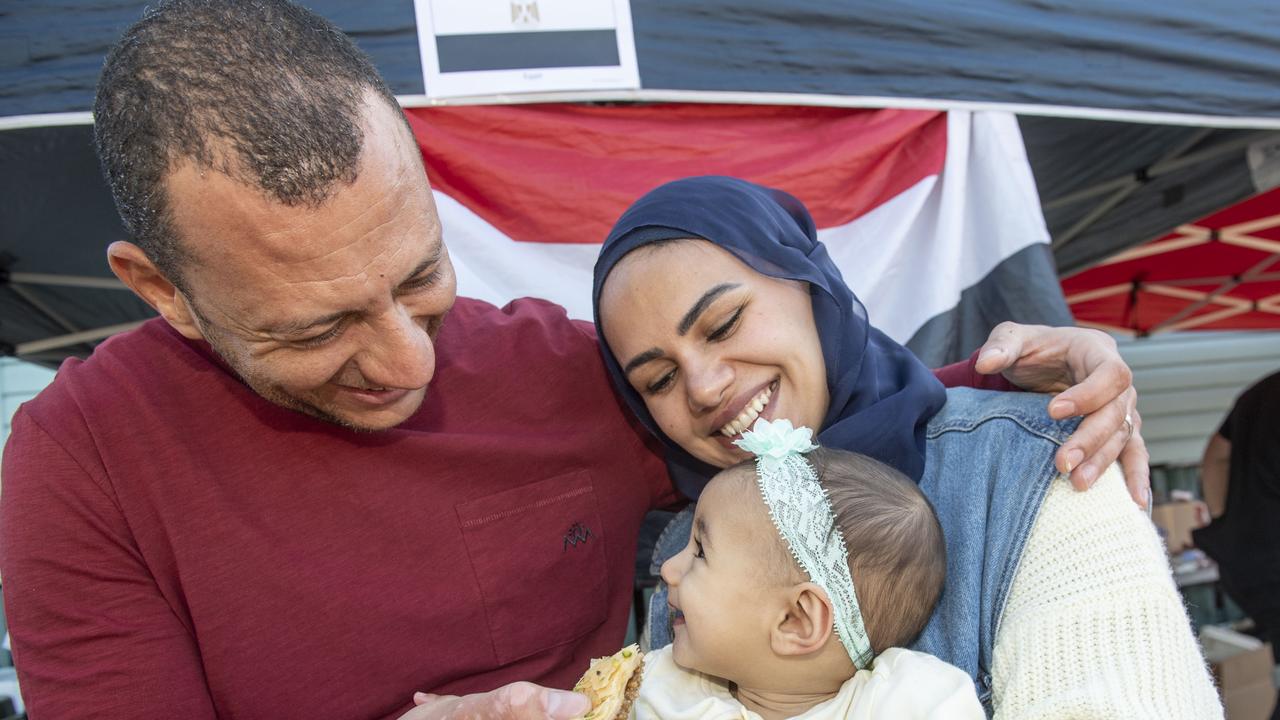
(1161, 167)
(38, 346)
(1126, 186)
(34, 301)
(84, 281)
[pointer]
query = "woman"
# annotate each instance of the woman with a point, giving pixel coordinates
(716, 305)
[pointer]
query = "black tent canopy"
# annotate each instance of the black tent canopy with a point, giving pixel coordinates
(1136, 117)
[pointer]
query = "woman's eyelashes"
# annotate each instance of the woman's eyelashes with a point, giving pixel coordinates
(661, 383)
(726, 328)
(718, 332)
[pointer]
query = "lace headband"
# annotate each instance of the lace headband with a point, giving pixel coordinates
(802, 514)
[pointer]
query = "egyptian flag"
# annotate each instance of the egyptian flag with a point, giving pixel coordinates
(932, 217)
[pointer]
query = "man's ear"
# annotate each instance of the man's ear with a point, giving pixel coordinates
(136, 270)
(807, 624)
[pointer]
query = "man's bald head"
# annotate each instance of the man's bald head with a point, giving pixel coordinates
(266, 92)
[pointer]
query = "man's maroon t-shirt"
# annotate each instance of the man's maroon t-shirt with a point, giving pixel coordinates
(173, 545)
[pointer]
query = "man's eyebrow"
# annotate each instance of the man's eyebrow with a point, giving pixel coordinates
(642, 358)
(707, 298)
(703, 536)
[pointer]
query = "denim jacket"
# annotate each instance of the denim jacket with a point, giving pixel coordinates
(989, 463)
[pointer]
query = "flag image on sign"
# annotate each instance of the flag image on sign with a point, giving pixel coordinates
(524, 12)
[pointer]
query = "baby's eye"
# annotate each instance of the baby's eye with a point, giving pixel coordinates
(697, 550)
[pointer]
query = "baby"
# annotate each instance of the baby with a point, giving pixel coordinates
(807, 571)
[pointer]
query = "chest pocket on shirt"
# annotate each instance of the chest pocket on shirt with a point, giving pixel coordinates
(539, 557)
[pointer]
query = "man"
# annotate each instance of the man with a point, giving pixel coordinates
(1240, 478)
(302, 492)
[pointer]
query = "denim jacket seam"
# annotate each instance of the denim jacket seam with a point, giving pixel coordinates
(1052, 432)
(1026, 525)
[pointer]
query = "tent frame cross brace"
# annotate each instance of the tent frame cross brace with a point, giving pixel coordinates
(1122, 187)
(24, 284)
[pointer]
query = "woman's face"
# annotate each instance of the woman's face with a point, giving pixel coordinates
(711, 345)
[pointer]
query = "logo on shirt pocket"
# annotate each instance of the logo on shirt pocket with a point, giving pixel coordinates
(578, 533)
(541, 585)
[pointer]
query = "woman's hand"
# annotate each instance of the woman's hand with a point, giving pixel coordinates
(517, 701)
(1090, 378)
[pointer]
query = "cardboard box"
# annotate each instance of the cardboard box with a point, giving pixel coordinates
(1242, 669)
(1176, 520)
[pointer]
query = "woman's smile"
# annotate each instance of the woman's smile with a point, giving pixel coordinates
(744, 411)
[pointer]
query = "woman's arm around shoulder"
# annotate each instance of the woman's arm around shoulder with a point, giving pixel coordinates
(1093, 625)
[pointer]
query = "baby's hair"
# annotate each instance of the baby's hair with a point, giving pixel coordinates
(897, 554)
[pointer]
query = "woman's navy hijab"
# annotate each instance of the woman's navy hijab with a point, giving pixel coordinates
(882, 396)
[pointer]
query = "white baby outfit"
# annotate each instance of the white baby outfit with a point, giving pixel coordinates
(901, 685)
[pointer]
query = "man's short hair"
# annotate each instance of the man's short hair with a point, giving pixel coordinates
(897, 553)
(263, 91)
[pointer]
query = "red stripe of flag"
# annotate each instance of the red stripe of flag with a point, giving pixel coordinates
(564, 173)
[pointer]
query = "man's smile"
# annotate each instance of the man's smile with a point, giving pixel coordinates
(374, 397)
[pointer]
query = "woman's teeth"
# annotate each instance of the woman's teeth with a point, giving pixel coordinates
(749, 413)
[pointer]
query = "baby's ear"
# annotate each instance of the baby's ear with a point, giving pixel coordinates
(807, 623)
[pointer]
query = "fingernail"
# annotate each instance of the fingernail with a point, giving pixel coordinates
(1089, 474)
(420, 697)
(565, 705)
(1062, 408)
(1074, 456)
(990, 353)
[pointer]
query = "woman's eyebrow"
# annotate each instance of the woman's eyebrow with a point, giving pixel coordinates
(698, 307)
(642, 358)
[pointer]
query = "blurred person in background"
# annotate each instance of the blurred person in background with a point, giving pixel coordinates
(1240, 476)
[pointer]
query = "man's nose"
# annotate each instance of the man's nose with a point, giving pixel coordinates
(400, 353)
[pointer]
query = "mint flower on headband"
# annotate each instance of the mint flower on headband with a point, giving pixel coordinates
(771, 442)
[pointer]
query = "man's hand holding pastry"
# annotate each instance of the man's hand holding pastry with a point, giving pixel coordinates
(605, 692)
(517, 701)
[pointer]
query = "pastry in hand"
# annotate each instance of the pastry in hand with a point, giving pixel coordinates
(611, 683)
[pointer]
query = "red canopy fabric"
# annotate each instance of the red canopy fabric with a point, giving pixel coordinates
(1219, 273)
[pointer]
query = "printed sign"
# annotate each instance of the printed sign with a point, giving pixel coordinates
(496, 47)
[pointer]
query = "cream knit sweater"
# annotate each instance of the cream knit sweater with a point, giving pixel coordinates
(1094, 627)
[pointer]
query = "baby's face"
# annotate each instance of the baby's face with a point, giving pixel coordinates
(719, 582)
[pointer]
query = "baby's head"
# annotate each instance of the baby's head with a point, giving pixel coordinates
(746, 610)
